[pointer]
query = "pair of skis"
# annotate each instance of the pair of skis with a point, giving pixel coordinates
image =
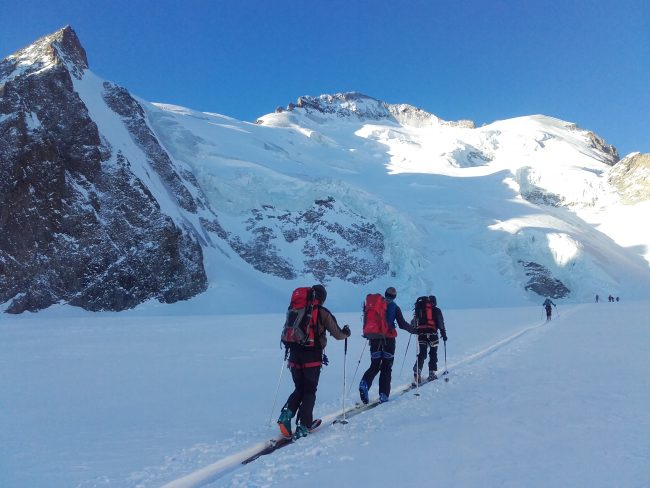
(278, 443)
(281, 441)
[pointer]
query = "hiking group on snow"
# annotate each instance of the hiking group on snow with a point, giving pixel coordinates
(304, 335)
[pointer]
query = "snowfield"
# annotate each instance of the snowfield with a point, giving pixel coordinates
(141, 399)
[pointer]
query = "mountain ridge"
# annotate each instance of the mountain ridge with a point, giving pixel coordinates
(159, 202)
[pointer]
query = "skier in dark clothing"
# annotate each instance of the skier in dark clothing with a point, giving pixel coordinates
(547, 305)
(305, 364)
(382, 351)
(428, 341)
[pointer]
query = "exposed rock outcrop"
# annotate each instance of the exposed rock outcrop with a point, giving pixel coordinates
(352, 252)
(362, 107)
(542, 282)
(631, 178)
(77, 225)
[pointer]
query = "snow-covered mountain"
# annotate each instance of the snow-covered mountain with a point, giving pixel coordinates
(110, 201)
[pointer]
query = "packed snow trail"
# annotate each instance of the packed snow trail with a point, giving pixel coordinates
(213, 472)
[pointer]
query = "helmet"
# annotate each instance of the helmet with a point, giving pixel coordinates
(390, 292)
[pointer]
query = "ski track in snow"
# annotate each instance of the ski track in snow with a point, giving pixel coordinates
(130, 401)
(221, 468)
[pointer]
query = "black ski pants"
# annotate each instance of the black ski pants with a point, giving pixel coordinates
(382, 355)
(305, 365)
(427, 343)
(549, 311)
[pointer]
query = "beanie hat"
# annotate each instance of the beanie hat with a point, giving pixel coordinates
(390, 292)
(321, 293)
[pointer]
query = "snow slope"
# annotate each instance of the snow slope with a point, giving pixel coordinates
(140, 400)
(449, 198)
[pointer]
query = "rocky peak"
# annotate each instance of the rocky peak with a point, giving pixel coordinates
(79, 224)
(407, 114)
(610, 152)
(350, 104)
(60, 48)
(363, 107)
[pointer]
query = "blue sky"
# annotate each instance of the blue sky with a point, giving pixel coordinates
(583, 61)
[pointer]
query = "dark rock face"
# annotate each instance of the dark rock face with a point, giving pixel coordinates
(359, 106)
(599, 143)
(542, 282)
(327, 249)
(122, 103)
(344, 105)
(539, 196)
(76, 225)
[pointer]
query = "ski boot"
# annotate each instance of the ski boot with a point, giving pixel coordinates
(301, 431)
(383, 398)
(363, 391)
(284, 422)
(432, 375)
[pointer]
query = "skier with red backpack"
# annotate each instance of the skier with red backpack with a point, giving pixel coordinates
(304, 337)
(428, 320)
(379, 317)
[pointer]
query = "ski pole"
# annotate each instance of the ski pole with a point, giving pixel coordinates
(417, 371)
(557, 312)
(446, 373)
(277, 388)
(345, 355)
(357, 368)
(405, 353)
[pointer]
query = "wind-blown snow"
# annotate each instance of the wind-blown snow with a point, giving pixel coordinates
(139, 400)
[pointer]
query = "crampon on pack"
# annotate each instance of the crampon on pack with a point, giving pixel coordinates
(302, 317)
(374, 318)
(425, 321)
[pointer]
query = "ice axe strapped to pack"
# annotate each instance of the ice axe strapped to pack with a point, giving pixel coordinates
(302, 317)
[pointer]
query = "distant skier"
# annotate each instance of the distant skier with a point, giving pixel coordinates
(428, 320)
(596, 298)
(547, 305)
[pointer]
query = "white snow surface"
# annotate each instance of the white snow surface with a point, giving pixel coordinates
(144, 400)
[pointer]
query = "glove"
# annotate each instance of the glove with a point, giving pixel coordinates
(346, 330)
(444, 337)
(326, 360)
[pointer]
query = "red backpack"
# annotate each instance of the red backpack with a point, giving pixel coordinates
(374, 317)
(424, 319)
(302, 317)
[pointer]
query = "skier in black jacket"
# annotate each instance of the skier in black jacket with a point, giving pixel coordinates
(547, 305)
(428, 339)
